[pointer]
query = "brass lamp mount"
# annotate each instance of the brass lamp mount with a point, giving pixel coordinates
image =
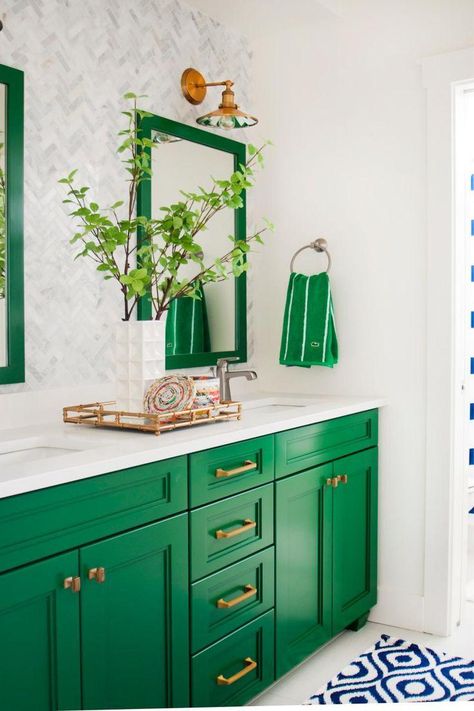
(194, 88)
(228, 115)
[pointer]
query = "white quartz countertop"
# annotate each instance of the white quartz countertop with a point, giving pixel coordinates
(37, 457)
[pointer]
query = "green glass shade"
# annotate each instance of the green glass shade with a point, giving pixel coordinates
(227, 119)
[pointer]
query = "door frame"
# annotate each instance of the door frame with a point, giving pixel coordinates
(444, 77)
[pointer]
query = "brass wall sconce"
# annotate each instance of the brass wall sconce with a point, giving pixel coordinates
(228, 115)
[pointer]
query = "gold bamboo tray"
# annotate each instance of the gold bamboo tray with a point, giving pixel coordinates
(102, 414)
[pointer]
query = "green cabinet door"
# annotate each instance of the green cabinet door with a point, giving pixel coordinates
(354, 538)
(39, 637)
(303, 565)
(135, 636)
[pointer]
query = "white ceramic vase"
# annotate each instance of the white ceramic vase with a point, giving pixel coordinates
(140, 359)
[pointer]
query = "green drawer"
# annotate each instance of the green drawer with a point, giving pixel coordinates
(223, 602)
(227, 659)
(224, 532)
(223, 471)
(308, 446)
(41, 523)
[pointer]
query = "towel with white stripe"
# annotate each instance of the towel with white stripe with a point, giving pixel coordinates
(309, 330)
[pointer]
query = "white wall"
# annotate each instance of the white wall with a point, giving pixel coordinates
(343, 102)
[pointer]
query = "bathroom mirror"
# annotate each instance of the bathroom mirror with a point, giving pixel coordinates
(183, 158)
(12, 360)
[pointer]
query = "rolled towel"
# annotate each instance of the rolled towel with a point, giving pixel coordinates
(187, 327)
(309, 332)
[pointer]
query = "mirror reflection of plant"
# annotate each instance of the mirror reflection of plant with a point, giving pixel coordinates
(168, 243)
(171, 241)
(3, 241)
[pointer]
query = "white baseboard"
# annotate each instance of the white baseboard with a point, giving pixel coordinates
(399, 609)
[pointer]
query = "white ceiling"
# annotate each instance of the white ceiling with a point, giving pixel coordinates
(253, 17)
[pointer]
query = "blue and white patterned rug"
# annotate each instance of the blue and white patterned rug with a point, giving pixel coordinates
(395, 671)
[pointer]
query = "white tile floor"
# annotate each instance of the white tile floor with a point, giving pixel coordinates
(297, 686)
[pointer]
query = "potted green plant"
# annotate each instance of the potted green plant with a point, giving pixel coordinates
(153, 265)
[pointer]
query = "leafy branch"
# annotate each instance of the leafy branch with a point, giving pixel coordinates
(167, 243)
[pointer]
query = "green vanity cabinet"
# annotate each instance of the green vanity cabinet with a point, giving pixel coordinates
(193, 581)
(39, 637)
(326, 554)
(134, 633)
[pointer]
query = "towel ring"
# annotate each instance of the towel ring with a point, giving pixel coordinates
(319, 245)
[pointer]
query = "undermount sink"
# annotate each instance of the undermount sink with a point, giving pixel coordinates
(33, 449)
(273, 404)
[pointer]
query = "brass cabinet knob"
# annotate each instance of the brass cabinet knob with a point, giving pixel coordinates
(336, 480)
(97, 574)
(72, 583)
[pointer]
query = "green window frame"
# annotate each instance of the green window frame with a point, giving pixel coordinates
(238, 150)
(14, 371)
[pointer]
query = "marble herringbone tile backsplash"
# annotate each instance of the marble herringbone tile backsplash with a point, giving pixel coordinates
(79, 58)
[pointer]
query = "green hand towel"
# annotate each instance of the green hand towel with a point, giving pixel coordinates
(187, 326)
(309, 333)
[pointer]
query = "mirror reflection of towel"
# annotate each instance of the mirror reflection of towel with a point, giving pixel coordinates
(187, 326)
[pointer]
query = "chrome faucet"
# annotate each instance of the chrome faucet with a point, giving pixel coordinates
(225, 375)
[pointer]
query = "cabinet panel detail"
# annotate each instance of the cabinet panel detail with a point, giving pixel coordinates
(44, 522)
(354, 538)
(234, 670)
(39, 629)
(134, 625)
(223, 471)
(305, 447)
(303, 565)
(226, 531)
(226, 600)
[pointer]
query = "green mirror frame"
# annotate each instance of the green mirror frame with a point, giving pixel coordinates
(14, 371)
(238, 150)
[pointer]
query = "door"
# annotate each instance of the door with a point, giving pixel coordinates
(303, 565)
(354, 538)
(39, 633)
(134, 607)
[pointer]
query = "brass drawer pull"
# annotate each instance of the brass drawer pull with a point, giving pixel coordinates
(343, 478)
(72, 583)
(250, 665)
(97, 574)
(248, 525)
(250, 591)
(248, 466)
